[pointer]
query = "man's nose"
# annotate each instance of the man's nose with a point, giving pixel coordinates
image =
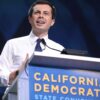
(41, 15)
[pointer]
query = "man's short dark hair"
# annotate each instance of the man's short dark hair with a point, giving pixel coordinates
(43, 2)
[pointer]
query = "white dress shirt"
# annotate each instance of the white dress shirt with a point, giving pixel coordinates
(15, 51)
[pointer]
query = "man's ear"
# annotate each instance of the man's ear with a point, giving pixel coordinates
(53, 21)
(29, 19)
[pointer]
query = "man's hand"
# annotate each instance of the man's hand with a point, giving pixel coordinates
(12, 76)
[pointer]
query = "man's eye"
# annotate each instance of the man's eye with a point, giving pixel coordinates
(37, 12)
(46, 13)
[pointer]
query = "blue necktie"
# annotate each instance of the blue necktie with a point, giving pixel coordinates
(38, 47)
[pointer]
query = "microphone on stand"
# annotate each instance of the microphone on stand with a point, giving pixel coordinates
(68, 51)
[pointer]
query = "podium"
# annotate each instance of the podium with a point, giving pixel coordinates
(57, 77)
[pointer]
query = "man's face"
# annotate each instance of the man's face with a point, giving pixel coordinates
(41, 19)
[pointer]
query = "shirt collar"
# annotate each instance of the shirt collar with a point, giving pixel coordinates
(33, 37)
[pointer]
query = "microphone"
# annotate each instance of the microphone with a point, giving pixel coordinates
(67, 51)
(62, 52)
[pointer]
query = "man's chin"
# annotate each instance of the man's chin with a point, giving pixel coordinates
(41, 30)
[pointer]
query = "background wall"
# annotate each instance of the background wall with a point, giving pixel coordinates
(77, 23)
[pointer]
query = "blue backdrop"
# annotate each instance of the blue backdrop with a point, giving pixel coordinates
(77, 23)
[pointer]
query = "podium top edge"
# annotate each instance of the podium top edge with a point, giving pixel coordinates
(73, 57)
